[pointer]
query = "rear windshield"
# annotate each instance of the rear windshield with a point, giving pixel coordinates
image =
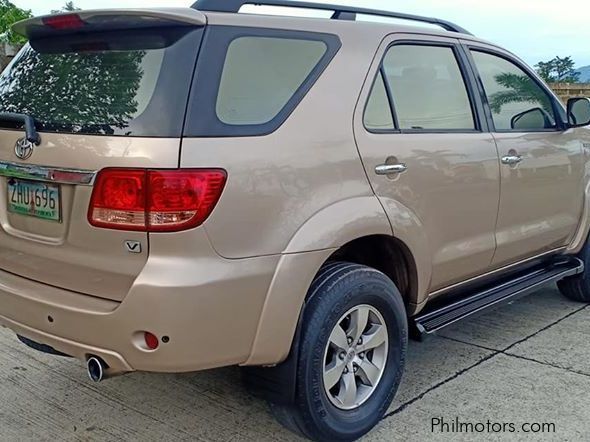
(133, 83)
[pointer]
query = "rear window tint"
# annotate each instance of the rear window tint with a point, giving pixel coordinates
(104, 84)
(249, 80)
(261, 74)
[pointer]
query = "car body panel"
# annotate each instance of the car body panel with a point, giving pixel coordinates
(340, 223)
(534, 216)
(208, 307)
(72, 254)
(451, 187)
(283, 305)
(581, 235)
(278, 182)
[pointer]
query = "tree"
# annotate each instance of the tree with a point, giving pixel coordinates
(518, 89)
(558, 70)
(68, 7)
(90, 92)
(9, 15)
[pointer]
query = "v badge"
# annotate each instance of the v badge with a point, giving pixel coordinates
(133, 246)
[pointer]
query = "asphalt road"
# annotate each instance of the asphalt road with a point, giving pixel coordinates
(527, 363)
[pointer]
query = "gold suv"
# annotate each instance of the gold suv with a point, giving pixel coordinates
(188, 188)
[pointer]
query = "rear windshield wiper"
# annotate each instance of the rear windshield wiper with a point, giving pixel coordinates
(25, 120)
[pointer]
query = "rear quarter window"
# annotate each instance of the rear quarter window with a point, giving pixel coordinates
(260, 78)
(261, 74)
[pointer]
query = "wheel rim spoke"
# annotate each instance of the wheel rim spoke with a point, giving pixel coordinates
(333, 373)
(348, 390)
(338, 338)
(358, 322)
(375, 337)
(369, 373)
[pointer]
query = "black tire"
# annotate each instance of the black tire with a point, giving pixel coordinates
(577, 288)
(337, 288)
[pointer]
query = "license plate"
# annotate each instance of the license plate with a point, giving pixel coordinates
(32, 198)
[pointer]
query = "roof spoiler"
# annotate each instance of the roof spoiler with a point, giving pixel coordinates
(107, 20)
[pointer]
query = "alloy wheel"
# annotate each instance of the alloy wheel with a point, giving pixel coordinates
(355, 357)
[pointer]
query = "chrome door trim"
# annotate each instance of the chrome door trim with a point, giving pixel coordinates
(58, 175)
(491, 273)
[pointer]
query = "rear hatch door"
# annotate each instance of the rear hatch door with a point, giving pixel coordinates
(105, 89)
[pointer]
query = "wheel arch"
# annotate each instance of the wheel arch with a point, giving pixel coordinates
(382, 252)
(356, 229)
(389, 255)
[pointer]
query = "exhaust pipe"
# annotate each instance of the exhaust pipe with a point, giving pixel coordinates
(96, 368)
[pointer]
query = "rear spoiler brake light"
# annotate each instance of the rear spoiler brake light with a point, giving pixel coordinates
(108, 20)
(67, 21)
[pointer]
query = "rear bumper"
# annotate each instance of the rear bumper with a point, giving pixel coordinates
(209, 307)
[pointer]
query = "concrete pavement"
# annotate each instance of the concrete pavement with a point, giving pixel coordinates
(527, 363)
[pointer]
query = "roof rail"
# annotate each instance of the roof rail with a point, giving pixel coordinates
(340, 12)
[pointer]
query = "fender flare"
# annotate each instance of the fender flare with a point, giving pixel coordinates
(322, 234)
(340, 223)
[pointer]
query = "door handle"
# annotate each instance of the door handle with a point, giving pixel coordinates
(511, 160)
(390, 169)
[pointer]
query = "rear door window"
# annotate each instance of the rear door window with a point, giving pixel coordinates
(428, 89)
(112, 83)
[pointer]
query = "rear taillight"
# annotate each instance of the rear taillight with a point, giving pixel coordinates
(154, 200)
(64, 21)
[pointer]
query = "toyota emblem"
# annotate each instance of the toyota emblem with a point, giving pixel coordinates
(24, 149)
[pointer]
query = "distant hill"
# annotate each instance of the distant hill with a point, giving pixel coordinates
(585, 74)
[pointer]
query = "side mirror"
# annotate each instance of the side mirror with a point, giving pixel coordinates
(578, 112)
(532, 119)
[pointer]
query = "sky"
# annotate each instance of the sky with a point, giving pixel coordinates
(535, 30)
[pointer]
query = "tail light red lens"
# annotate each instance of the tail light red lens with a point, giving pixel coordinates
(154, 200)
(182, 199)
(118, 199)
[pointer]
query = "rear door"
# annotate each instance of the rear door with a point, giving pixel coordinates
(425, 146)
(104, 90)
(542, 164)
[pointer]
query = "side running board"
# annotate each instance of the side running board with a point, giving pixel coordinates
(492, 296)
